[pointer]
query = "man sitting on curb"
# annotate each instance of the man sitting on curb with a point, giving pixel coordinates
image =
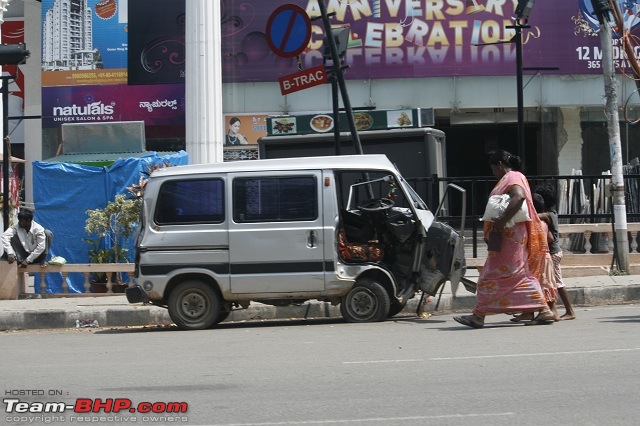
(27, 242)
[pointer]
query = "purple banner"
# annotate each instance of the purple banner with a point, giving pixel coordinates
(423, 38)
(161, 105)
(156, 41)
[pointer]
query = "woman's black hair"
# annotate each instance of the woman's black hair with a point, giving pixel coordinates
(548, 192)
(508, 159)
(234, 120)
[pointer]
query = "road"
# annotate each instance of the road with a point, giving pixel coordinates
(409, 371)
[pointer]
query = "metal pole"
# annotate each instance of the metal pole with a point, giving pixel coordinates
(520, 93)
(517, 39)
(336, 112)
(340, 76)
(5, 151)
(602, 9)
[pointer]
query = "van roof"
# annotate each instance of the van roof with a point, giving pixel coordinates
(342, 162)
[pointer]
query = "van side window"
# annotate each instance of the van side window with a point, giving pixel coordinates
(275, 199)
(183, 202)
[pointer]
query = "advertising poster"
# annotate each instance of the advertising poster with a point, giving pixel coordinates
(13, 33)
(420, 38)
(244, 129)
(94, 53)
(157, 105)
(156, 41)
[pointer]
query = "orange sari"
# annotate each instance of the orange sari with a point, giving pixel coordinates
(509, 280)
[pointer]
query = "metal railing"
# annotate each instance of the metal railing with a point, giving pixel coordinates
(479, 187)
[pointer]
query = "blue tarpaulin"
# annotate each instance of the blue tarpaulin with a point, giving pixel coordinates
(63, 192)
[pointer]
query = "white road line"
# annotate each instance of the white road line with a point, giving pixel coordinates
(375, 419)
(600, 351)
(380, 361)
(456, 358)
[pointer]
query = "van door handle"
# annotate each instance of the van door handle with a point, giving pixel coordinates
(311, 239)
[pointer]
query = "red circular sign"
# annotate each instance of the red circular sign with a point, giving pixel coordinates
(288, 30)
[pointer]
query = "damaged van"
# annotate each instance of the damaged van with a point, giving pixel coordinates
(348, 230)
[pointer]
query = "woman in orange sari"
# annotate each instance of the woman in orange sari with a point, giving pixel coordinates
(508, 283)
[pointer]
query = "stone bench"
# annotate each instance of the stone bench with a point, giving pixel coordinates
(84, 268)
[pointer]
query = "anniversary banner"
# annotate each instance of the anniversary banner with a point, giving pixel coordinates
(424, 38)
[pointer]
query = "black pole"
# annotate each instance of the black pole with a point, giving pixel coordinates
(517, 39)
(340, 76)
(5, 150)
(336, 112)
(520, 93)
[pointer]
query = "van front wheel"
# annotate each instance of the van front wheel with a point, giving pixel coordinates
(368, 301)
(194, 305)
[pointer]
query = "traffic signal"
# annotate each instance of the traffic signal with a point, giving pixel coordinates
(13, 54)
(341, 36)
(523, 9)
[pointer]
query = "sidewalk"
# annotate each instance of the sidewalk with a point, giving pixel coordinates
(115, 311)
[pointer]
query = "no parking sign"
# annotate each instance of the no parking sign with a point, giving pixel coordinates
(288, 30)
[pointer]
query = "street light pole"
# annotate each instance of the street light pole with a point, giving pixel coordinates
(517, 39)
(602, 9)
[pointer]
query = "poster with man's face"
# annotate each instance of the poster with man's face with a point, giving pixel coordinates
(244, 129)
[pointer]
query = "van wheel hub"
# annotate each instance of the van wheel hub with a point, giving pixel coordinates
(363, 303)
(194, 305)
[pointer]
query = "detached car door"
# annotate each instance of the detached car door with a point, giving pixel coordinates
(275, 235)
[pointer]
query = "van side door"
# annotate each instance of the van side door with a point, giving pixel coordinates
(276, 232)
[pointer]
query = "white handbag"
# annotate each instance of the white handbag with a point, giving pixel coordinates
(496, 207)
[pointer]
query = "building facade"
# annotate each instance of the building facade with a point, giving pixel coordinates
(67, 39)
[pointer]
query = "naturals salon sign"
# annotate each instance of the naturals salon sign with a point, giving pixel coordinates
(154, 104)
(419, 38)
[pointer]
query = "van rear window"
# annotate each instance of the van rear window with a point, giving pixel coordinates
(275, 199)
(190, 201)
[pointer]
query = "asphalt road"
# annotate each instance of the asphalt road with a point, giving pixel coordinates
(405, 372)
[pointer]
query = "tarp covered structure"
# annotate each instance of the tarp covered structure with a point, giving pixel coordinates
(63, 192)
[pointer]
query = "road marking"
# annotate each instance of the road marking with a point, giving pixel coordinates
(599, 351)
(456, 358)
(380, 361)
(374, 419)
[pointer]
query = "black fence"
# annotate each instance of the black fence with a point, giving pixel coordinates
(581, 199)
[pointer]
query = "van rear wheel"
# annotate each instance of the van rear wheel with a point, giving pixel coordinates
(194, 305)
(368, 301)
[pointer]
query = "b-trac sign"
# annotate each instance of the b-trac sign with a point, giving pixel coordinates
(303, 80)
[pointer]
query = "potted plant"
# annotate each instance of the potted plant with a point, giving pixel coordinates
(112, 225)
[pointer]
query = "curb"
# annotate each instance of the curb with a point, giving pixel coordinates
(146, 315)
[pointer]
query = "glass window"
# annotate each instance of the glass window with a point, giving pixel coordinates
(190, 201)
(275, 199)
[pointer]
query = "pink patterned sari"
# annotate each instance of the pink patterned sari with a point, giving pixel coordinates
(508, 282)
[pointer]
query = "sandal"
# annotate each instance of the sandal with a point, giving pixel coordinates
(546, 315)
(469, 321)
(527, 316)
(538, 321)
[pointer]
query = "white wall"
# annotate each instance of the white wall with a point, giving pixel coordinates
(442, 93)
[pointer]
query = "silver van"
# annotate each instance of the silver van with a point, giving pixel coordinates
(344, 229)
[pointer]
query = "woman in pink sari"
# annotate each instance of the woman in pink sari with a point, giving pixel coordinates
(508, 283)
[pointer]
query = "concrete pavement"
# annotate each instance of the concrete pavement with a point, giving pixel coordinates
(115, 311)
